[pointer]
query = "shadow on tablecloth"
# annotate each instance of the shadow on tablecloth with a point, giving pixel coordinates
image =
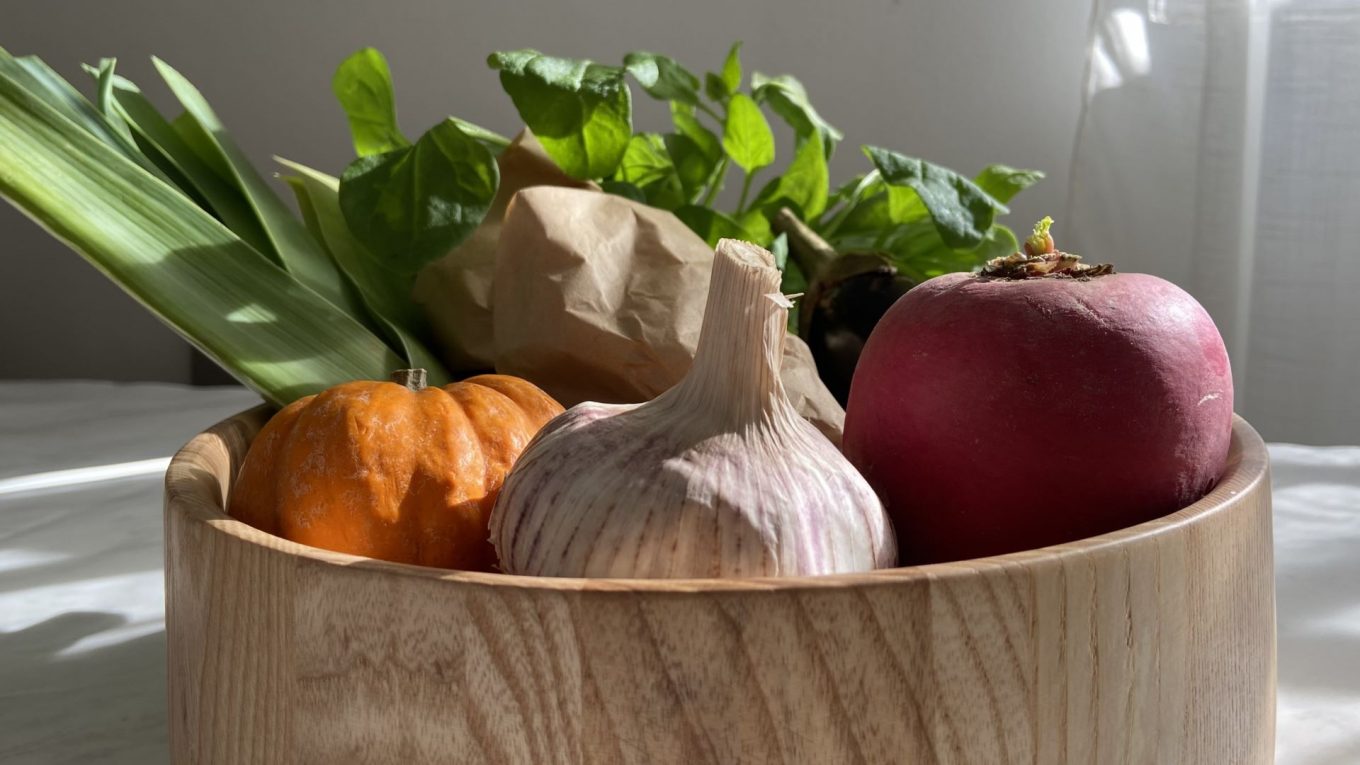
(115, 691)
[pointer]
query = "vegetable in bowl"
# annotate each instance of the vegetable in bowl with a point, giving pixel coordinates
(1040, 401)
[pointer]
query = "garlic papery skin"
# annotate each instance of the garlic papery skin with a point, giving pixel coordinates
(717, 477)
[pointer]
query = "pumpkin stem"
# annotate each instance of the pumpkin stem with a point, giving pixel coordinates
(411, 378)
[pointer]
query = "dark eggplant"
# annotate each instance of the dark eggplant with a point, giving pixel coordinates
(846, 296)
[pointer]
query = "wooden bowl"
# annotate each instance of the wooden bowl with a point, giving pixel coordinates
(1155, 644)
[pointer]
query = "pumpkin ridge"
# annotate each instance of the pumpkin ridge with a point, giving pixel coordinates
(506, 407)
(244, 504)
(439, 478)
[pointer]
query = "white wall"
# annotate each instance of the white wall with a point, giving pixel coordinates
(963, 83)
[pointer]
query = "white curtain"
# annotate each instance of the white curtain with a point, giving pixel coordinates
(1219, 147)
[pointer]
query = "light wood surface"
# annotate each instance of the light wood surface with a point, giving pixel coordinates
(1151, 645)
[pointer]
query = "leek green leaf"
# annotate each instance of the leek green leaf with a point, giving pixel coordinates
(252, 317)
(38, 78)
(166, 146)
(299, 253)
(104, 76)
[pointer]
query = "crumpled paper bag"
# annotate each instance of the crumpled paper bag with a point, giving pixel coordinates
(454, 292)
(600, 298)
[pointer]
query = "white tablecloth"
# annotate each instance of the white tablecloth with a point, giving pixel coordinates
(82, 642)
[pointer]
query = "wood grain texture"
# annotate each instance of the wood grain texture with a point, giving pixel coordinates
(1155, 644)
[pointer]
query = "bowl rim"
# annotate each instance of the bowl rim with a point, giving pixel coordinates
(191, 488)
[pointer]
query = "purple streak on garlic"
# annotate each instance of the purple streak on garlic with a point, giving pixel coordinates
(717, 477)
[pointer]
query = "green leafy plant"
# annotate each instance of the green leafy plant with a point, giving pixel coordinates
(926, 218)
(171, 209)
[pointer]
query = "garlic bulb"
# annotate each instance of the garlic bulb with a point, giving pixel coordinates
(717, 477)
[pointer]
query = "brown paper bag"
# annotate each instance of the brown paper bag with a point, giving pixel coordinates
(599, 298)
(454, 292)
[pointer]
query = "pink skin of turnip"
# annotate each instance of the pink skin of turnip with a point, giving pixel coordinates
(998, 414)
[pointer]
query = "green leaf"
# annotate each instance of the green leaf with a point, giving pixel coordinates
(645, 161)
(386, 293)
(252, 317)
(715, 88)
(905, 205)
(104, 77)
(299, 253)
(999, 242)
(962, 212)
(43, 83)
(788, 98)
(201, 143)
(919, 252)
(647, 165)
(580, 111)
(843, 192)
(779, 248)
(1004, 182)
(879, 208)
(851, 198)
(624, 189)
(731, 70)
(363, 86)
(768, 195)
(755, 227)
(746, 136)
(804, 183)
(709, 147)
(662, 77)
(492, 140)
(167, 147)
(414, 204)
(710, 224)
(693, 166)
(688, 125)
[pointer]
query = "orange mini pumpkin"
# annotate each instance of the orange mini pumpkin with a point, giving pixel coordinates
(392, 470)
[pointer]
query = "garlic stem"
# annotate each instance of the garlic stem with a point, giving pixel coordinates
(735, 375)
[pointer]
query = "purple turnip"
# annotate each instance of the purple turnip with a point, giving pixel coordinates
(1040, 401)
